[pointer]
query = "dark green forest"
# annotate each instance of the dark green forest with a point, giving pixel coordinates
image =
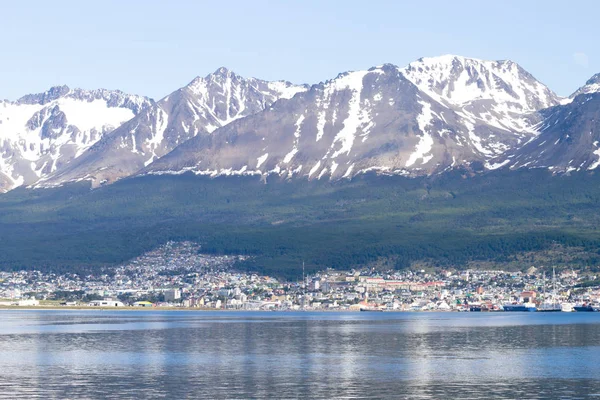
(448, 220)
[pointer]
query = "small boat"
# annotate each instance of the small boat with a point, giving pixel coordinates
(371, 309)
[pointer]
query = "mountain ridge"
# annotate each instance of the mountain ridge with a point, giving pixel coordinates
(435, 114)
(41, 132)
(198, 108)
(424, 142)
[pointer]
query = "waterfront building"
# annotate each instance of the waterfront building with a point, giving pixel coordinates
(28, 302)
(143, 304)
(106, 303)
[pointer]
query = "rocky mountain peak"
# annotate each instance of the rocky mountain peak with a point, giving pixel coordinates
(593, 80)
(46, 97)
(460, 80)
(490, 93)
(592, 85)
(222, 72)
(218, 75)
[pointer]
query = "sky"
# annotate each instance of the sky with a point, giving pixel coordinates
(151, 48)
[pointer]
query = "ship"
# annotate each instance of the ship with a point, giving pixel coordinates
(481, 307)
(550, 307)
(526, 303)
(371, 309)
(526, 307)
(585, 308)
(567, 307)
(554, 306)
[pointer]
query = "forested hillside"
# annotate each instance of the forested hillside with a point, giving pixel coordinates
(447, 220)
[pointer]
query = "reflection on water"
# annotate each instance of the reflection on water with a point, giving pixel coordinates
(126, 354)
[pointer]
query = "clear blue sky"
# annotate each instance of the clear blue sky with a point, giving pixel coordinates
(153, 47)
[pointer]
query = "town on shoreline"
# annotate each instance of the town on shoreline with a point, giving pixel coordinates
(178, 276)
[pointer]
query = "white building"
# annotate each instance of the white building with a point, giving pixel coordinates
(28, 302)
(106, 303)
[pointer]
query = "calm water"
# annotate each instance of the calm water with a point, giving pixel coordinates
(129, 354)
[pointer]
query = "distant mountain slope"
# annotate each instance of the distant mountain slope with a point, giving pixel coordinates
(40, 133)
(434, 114)
(591, 86)
(569, 137)
(197, 109)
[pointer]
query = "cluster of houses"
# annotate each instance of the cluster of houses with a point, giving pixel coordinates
(178, 275)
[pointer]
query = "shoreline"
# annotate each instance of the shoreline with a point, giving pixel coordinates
(197, 309)
(134, 309)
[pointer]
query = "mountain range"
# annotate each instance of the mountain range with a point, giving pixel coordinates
(41, 133)
(434, 115)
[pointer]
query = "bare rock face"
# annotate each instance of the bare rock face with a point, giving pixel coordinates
(430, 116)
(568, 140)
(591, 86)
(198, 109)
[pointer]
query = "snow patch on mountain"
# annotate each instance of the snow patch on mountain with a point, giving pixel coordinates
(354, 82)
(286, 90)
(314, 169)
(260, 160)
(597, 162)
(288, 157)
(95, 114)
(426, 141)
(348, 173)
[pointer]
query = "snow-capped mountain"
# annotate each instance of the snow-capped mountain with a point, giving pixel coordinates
(39, 133)
(432, 115)
(198, 109)
(569, 136)
(495, 93)
(591, 86)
